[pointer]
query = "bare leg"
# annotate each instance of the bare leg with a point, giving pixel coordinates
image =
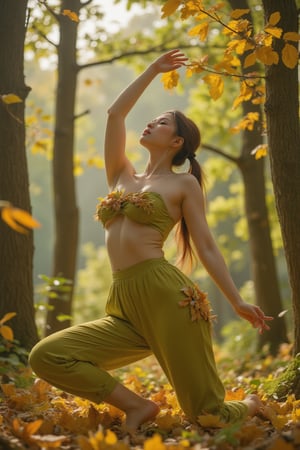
(137, 409)
(254, 404)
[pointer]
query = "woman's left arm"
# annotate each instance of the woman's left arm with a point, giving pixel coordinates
(193, 208)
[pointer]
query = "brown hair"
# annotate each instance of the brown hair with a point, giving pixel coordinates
(189, 131)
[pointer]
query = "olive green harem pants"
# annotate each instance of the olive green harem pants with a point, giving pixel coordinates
(143, 317)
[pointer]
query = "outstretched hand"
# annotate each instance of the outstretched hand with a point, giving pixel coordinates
(170, 61)
(254, 315)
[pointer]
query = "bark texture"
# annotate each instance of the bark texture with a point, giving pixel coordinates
(16, 250)
(66, 210)
(282, 109)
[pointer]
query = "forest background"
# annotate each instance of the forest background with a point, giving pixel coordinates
(97, 87)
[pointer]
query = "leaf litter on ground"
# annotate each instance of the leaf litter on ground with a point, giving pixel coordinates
(36, 416)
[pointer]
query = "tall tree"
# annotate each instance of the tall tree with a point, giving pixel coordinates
(282, 110)
(65, 203)
(262, 256)
(16, 250)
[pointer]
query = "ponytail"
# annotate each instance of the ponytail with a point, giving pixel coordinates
(187, 129)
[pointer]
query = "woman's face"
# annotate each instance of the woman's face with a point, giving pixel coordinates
(159, 132)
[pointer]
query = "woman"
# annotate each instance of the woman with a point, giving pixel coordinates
(153, 308)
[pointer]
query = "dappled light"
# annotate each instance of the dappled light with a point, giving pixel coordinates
(34, 414)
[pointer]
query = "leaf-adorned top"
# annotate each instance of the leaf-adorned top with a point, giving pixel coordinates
(147, 208)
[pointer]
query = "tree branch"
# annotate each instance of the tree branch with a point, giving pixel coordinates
(83, 4)
(44, 36)
(83, 113)
(220, 152)
(157, 49)
(50, 10)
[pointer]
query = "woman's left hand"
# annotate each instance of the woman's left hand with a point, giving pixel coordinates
(254, 315)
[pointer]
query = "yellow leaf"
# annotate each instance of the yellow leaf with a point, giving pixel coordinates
(267, 55)
(216, 85)
(7, 317)
(32, 427)
(154, 443)
(291, 36)
(274, 18)
(289, 56)
(95, 161)
(250, 60)
(267, 40)
(166, 420)
(200, 31)
(247, 123)
(7, 332)
(238, 394)
(274, 31)
(8, 219)
(11, 98)
(246, 93)
(110, 438)
(260, 151)
(237, 13)
(8, 389)
(78, 170)
(170, 79)
(210, 421)
(71, 14)
(239, 45)
(169, 8)
(281, 444)
(24, 218)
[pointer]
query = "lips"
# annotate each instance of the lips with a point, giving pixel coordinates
(146, 131)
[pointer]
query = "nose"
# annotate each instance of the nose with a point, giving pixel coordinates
(151, 124)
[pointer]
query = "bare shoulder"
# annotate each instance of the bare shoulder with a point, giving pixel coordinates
(187, 183)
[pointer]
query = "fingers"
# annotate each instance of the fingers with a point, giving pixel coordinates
(260, 320)
(175, 57)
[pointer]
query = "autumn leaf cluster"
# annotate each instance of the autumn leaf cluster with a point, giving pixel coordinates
(35, 416)
(245, 51)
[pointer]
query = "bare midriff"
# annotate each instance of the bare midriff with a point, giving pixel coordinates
(130, 243)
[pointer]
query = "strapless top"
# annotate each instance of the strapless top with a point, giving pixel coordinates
(147, 208)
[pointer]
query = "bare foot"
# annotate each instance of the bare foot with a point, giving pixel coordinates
(254, 404)
(140, 414)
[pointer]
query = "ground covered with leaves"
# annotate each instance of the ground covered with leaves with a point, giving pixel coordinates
(34, 415)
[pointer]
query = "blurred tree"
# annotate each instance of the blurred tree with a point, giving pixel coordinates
(16, 250)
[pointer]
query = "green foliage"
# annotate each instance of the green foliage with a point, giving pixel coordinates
(287, 382)
(13, 363)
(12, 353)
(51, 288)
(239, 339)
(93, 282)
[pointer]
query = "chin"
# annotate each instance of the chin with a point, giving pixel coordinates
(143, 141)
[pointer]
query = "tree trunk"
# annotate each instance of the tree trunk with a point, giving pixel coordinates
(16, 250)
(66, 211)
(262, 256)
(282, 107)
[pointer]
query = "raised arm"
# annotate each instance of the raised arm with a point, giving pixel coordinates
(116, 161)
(211, 258)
